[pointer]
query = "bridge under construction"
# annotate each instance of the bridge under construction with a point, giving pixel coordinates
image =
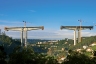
(77, 28)
(23, 31)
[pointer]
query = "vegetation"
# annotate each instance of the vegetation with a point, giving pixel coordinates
(86, 41)
(12, 53)
(93, 47)
(66, 43)
(26, 56)
(2, 56)
(5, 39)
(78, 58)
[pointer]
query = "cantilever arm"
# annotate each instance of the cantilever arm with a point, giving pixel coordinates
(23, 28)
(13, 29)
(77, 27)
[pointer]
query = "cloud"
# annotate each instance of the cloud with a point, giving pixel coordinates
(13, 34)
(43, 34)
(87, 34)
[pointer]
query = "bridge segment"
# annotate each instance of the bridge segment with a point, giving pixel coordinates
(23, 31)
(78, 28)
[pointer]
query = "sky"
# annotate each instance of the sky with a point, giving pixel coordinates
(52, 14)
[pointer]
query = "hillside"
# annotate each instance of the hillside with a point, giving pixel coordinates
(86, 41)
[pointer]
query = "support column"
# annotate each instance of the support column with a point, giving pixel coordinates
(74, 37)
(21, 37)
(25, 37)
(79, 38)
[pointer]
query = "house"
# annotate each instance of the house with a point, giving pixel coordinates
(89, 49)
(93, 44)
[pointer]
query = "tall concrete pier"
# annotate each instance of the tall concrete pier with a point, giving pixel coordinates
(76, 28)
(23, 31)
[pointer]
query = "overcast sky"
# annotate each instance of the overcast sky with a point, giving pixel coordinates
(48, 13)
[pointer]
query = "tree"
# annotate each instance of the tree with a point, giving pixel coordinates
(94, 53)
(2, 56)
(28, 56)
(77, 58)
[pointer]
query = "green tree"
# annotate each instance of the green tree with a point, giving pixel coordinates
(2, 56)
(5, 39)
(77, 58)
(28, 56)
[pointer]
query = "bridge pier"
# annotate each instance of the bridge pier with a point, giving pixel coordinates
(79, 28)
(23, 31)
(74, 36)
(79, 38)
(21, 37)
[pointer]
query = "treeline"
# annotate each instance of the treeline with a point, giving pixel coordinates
(34, 41)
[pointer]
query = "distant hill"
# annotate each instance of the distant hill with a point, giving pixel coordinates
(34, 41)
